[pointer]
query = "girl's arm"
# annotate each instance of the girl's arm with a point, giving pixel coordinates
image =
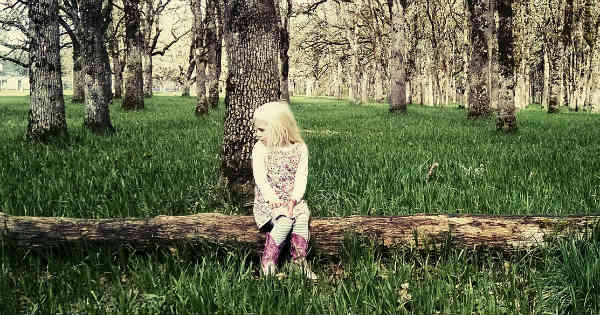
(260, 174)
(301, 176)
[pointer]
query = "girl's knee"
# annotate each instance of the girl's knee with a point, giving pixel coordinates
(284, 221)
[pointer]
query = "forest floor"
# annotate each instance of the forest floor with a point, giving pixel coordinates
(363, 160)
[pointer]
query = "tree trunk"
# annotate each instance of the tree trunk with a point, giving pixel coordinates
(506, 121)
(555, 74)
(352, 35)
(115, 55)
(146, 24)
(47, 112)
(507, 233)
(134, 82)
(397, 66)
(201, 60)
(78, 85)
(252, 41)
(95, 19)
(185, 74)
(492, 36)
(284, 45)
(147, 74)
(479, 96)
(213, 50)
(546, 91)
(595, 83)
(338, 80)
(364, 85)
(466, 55)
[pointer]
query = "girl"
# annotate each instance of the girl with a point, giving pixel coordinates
(280, 167)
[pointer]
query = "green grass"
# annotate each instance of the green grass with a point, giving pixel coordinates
(163, 160)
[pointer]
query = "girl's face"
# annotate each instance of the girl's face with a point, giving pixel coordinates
(261, 128)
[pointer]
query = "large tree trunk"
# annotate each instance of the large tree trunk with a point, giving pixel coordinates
(47, 113)
(479, 96)
(397, 67)
(201, 60)
(252, 38)
(78, 84)
(506, 120)
(134, 82)
(506, 233)
(95, 19)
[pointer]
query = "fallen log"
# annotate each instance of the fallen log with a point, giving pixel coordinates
(503, 232)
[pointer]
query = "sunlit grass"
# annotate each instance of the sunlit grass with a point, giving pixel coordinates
(164, 160)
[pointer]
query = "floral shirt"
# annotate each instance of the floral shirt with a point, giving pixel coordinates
(280, 176)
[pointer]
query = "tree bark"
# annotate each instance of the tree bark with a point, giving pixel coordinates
(352, 35)
(47, 112)
(397, 66)
(78, 85)
(146, 24)
(134, 82)
(284, 46)
(213, 50)
(117, 64)
(252, 40)
(201, 60)
(338, 80)
(493, 73)
(546, 79)
(95, 18)
(507, 233)
(506, 120)
(479, 96)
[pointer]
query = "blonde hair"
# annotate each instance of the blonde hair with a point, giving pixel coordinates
(282, 128)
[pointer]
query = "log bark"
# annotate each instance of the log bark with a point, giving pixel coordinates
(506, 233)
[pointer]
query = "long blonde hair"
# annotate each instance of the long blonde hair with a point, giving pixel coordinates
(282, 128)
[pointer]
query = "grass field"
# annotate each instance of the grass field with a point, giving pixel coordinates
(163, 160)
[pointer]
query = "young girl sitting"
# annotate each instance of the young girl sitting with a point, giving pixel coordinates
(280, 167)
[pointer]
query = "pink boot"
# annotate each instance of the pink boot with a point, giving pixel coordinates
(298, 251)
(268, 262)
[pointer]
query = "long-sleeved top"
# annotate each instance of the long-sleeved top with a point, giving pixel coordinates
(280, 176)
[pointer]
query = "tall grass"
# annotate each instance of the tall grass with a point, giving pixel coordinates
(163, 160)
(363, 160)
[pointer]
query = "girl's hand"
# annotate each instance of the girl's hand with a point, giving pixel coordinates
(291, 204)
(276, 205)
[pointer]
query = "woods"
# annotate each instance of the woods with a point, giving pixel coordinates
(455, 124)
(488, 56)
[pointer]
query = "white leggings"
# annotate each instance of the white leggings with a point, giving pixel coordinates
(283, 225)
